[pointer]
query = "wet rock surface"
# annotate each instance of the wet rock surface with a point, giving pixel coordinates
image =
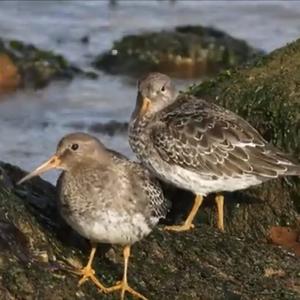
(29, 66)
(187, 51)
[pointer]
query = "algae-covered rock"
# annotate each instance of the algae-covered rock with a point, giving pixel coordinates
(37, 248)
(9, 74)
(37, 67)
(187, 51)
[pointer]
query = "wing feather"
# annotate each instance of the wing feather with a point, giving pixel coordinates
(210, 140)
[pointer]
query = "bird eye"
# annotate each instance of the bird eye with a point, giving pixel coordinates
(74, 147)
(163, 88)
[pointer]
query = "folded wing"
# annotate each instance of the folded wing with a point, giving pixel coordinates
(215, 142)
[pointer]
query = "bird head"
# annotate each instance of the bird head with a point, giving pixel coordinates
(155, 92)
(72, 149)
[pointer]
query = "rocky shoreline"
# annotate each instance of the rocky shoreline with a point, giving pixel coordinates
(37, 247)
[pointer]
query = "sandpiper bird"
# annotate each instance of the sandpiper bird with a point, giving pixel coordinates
(199, 146)
(104, 197)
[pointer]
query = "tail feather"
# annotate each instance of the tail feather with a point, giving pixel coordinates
(293, 170)
(286, 160)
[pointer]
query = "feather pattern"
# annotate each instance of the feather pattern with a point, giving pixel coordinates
(121, 201)
(206, 142)
(210, 140)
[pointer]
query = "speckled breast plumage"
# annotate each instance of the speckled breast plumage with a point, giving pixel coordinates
(117, 204)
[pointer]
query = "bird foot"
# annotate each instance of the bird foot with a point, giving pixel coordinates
(124, 287)
(89, 273)
(221, 227)
(178, 228)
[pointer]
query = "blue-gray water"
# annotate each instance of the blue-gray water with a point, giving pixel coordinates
(31, 122)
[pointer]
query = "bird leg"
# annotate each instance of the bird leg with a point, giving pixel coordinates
(188, 224)
(88, 272)
(123, 285)
(220, 206)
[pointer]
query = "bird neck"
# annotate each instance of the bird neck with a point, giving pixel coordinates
(139, 124)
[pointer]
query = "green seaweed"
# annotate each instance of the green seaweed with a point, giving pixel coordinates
(39, 67)
(186, 51)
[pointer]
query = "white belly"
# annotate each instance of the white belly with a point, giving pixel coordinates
(202, 185)
(111, 227)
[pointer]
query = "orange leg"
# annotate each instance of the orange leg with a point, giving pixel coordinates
(88, 273)
(123, 285)
(220, 206)
(188, 224)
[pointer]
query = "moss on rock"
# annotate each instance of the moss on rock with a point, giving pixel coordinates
(38, 67)
(187, 51)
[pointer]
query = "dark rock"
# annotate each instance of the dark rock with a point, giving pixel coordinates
(10, 78)
(187, 51)
(91, 74)
(110, 128)
(38, 67)
(5, 181)
(85, 39)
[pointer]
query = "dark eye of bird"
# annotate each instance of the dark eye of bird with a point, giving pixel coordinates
(163, 88)
(74, 147)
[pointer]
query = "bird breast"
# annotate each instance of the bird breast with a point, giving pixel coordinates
(99, 213)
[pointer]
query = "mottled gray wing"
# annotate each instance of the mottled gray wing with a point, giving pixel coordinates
(146, 187)
(156, 203)
(215, 142)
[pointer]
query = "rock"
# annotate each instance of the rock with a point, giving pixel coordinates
(85, 39)
(5, 181)
(286, 237)
(110, 128)
(9, 74)
(37, 250)
(35, 67)
(187, 51)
